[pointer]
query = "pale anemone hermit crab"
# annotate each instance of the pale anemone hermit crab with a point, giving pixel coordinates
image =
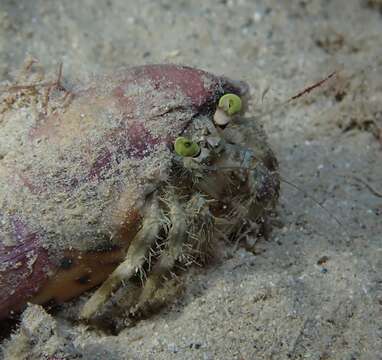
(145, 168)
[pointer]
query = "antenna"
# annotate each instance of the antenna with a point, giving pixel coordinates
(303, 92)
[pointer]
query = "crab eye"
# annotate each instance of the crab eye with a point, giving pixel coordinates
(230, 103)
(186, 147)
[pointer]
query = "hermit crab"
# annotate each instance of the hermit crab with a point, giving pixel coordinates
(135, 172)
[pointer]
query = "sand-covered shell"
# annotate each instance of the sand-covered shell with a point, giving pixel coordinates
(75, 167)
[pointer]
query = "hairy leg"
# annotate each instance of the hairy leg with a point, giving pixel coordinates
(174, 249)
(188, 241)
(135, 258)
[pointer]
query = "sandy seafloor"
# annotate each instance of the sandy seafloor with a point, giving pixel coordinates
(312, 291)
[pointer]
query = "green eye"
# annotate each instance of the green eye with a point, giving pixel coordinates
(230, 103)
(186, 147)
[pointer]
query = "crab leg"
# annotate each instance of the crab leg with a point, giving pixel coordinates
(136, 256)
(174, 248)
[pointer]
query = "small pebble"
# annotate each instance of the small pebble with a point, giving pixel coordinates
(322, 260)
(173, 348)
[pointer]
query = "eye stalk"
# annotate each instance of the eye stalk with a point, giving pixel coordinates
(229, 105)
(185, 147)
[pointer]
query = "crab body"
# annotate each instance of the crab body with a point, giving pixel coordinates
(90, 183)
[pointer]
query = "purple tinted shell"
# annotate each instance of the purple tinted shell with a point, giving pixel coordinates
(140, 95)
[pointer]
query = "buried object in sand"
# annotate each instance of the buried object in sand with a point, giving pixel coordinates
(97, 181)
